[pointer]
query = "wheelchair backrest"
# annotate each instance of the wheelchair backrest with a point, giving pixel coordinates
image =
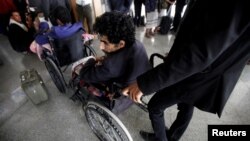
(69, 49)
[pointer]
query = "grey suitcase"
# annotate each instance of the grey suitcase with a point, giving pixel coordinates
(33, 86)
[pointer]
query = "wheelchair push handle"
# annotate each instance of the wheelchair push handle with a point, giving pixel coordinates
(143, 105)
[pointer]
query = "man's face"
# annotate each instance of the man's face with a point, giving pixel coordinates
(16, 17)
(108, 47)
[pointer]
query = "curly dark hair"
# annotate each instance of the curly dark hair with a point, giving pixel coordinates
(62, 14)
(116, 26)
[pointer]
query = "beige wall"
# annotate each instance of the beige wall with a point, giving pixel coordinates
(98, 7)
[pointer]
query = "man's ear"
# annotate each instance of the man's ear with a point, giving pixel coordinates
(121, 44)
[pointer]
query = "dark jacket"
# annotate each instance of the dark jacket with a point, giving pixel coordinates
(68, 42)
(20, 39)
(122, 66)
(59, 32)
(207, 57)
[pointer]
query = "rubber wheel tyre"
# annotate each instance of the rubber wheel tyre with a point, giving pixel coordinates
(88, 51)
(55, 74)
(105, 124)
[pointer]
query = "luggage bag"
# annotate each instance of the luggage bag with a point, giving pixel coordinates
(33, 86)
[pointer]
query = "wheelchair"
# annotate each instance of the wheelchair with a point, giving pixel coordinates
(97, 104)
(64, 52)
(97, 101)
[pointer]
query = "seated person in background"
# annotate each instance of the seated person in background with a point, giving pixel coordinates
(125, 57)
(40, 18)
(67, 37)
(63, 30)
(19, 35)
(41, 40)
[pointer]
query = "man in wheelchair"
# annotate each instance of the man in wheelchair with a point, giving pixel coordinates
(125, 57)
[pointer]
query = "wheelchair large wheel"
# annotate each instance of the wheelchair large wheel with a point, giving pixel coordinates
(88, 51)
(105, 124)
(55, 74)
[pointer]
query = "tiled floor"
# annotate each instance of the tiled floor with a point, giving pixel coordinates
(60, 119)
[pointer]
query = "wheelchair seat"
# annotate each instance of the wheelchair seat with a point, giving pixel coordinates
(69, 49)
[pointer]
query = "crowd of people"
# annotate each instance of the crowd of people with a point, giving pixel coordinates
(201, 69)
(30, 12)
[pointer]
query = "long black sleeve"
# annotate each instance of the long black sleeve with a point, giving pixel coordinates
(205, 34)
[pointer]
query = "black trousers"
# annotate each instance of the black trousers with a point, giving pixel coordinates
(157, 105)
(138, 5)
(178, 10)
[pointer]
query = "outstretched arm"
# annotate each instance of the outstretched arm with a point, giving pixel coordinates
(133, 92)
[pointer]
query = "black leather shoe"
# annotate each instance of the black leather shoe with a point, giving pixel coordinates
(147, 136)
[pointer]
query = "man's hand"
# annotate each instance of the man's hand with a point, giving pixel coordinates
(133, 92)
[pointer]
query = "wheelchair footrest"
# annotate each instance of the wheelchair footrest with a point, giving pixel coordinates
(81, 95)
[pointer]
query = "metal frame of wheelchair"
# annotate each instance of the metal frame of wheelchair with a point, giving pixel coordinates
(105, 124)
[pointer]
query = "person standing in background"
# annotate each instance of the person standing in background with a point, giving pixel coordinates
(152, 17)
(137, 8)
(84, 11)
(178, 11)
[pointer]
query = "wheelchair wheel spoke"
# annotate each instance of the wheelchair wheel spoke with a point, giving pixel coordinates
(105, 124)
(55, 74)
